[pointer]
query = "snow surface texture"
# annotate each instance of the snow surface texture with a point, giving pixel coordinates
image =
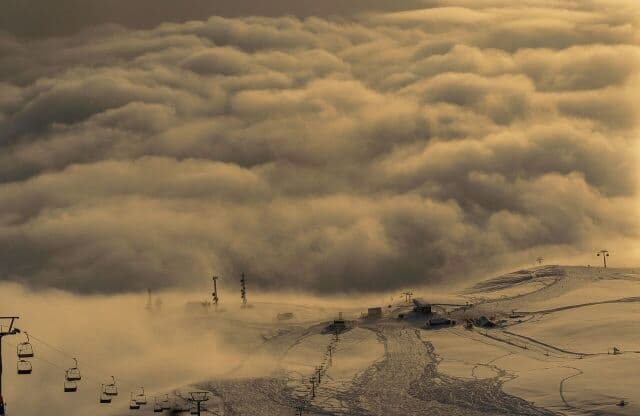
(551, 353)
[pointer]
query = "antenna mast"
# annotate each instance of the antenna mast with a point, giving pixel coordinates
(243, 290)
(214, 295)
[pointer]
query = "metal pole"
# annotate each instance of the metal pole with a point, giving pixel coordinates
(10, 331)
(198, 407)
(243, 290)
(215, 292)
(1, 396)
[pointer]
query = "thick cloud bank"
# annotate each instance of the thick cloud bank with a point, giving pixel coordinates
(319, 154)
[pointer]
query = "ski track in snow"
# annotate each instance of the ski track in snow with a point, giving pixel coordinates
(405, 381)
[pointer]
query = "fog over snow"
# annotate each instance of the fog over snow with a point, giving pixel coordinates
(370, 151)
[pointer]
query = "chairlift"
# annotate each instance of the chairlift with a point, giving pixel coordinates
(166, 403)
(157, 407)
(110, 389)
(141, 398)
(193, 409)
(24, 367)
(133, 405)
(25, 349)
(73, 374)
(70, 386)
(104, 397)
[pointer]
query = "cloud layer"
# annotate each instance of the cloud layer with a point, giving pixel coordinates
(324, 154)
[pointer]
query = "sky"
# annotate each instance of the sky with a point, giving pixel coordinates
(316, 146)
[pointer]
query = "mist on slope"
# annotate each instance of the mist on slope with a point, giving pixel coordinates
(174, 346)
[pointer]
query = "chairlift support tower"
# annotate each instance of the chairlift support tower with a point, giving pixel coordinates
(4, 332)
(604, 254)
(313, 387)
(199, 397)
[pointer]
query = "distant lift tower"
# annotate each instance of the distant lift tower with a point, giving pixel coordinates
(604, 254)
(198, 397)
(539, 260)
(407, 296)
(243, 290)
(214, 295)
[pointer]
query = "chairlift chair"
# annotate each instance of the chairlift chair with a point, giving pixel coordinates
(111, 389)
(73, 374)
(157, 407)
(24, 367)
(133, 405)
(25, 349)
(104, 397)
(141, 398)
(193, 409)
(166, 403)
(70, 386)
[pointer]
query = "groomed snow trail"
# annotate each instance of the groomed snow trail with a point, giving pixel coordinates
(404, 382)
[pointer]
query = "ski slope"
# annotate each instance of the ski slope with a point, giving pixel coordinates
(551, 353)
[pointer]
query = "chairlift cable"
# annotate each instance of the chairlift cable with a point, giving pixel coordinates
(40, 358)
(83, 362)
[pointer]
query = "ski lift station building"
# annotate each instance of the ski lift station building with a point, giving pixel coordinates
(439, 322)
(420, 306)
(337, 325)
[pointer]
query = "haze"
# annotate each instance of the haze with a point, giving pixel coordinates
(332, 151)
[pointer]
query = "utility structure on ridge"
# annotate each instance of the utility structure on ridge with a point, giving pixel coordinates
(539, 260)
(153, 306)
(199, 397)
(243, 290)
(407, 296)
(5, 330)
(214, 295)
(604, 254)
